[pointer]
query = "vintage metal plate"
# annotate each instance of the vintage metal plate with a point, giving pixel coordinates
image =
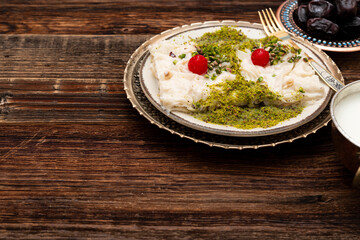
(139, 101)
(150, 88)
(285, 16)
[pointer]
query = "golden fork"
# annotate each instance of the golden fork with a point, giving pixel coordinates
(273, 28)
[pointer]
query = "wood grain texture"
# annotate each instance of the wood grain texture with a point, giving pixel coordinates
(64, 78)
(109, 180)
(78, 162)
(119, 16)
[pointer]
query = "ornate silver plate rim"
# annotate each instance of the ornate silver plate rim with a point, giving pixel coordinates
(145, 107)
(148, 83)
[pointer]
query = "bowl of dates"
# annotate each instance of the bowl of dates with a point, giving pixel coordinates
(332, 25)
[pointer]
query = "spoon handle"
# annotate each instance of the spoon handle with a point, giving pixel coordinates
(327, 77)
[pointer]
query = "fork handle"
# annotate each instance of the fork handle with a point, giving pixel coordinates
(328, 78)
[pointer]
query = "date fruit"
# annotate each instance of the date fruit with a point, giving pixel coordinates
(301, 15)
(329, 19)
(346, 9)
(322, 28)
(320, 9)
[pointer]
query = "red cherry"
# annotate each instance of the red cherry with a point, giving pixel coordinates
(198, 64)
(260, 57)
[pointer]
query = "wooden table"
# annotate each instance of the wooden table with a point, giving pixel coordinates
(78, 162)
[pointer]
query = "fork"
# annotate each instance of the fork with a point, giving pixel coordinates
(272, 27)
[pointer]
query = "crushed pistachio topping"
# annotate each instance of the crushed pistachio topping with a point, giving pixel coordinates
(220, 47)
(182, 56)
(241, 103)
(278, 51)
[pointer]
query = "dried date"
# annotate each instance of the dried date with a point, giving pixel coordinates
(301, 15)
(322, 28)
(320, 9)
(346, 9)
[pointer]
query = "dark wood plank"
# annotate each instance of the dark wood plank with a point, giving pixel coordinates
(64, 78)
(110, 181)
(120, 16)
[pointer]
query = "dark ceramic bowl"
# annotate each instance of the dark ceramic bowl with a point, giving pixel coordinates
(285, 16)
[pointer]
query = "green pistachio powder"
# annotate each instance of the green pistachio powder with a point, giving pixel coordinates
(240, 103)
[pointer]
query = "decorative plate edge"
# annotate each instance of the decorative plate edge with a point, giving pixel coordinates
(130, 93)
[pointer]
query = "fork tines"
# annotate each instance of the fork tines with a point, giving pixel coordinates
(271, 24)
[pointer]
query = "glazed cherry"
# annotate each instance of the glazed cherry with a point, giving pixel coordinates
(260, 57)
(198, 64)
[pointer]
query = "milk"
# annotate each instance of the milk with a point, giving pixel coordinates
(347, 113)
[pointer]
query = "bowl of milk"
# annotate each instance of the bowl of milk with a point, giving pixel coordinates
(345, 113)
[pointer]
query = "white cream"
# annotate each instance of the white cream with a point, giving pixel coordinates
(286, 79)
(179, 88)
(347, 113)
